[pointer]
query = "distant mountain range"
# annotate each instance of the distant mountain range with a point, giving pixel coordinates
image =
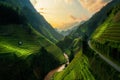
(97, 42)
(72, 29)
(27, 53)
(97, 19)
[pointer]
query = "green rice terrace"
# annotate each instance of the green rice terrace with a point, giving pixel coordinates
(78, 69)
(106, 38)
(30, 49)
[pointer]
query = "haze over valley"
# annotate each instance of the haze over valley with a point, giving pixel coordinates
(59, 39)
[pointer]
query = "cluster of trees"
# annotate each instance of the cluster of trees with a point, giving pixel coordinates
(9, 14)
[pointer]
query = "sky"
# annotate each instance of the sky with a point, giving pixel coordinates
(63, 14)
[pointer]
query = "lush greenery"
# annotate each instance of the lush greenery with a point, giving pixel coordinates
(86, 65)
(78, 69)
(33, 17)
(25, 54)
(106, 38)
(65, 43)
(99, 68)
(89, 26)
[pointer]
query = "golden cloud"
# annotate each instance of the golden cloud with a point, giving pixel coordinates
(42, 10)
(75, 19)
(68, 1)
(93, 5)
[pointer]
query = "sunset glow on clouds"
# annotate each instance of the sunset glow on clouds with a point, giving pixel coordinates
(93, 5)
(61, 14)
(83, 18)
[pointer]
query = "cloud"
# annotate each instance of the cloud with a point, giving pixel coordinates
(75, 19)
(64, 25)
(42, 10)
(68, 1)
(93, 5)
(34, 2)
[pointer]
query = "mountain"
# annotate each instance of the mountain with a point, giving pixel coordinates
(78, 69)
(96, 20)
(25, 54)
(86, 65)
(94, 47)
(35, 19)
(106, 39)
(71, 30)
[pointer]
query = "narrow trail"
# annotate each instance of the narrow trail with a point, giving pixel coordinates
(58, 69)
(115, 66)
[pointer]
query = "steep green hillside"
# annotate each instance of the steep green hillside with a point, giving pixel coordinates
(95, 21)
(86, 65)
(106, 38)
(70, 46)
(98, 66)
(78, 69)
(35, 19)
(65, 43)
(24, 53)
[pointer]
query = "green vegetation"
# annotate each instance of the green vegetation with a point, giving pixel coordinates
(32, 16)
(87, 65)
(99, 68)
(7, 14)
(78, 69)
(65, 43)
(11, 34)
(76, 45)
(70, 46)
(24, 52)
(106, 38)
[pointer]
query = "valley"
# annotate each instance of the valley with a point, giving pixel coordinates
(31, 49)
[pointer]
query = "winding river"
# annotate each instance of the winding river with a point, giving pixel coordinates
(58, 69)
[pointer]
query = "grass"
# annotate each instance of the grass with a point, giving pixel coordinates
(24, 52)
(100, 69)
(9, 41)
(106, 38)
(32, 41)
(78, 69)
(76, 45)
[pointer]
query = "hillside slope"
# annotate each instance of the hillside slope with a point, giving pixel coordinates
(103, 56)
(86, 65)
(25, 54)
(78, 69)
(106, 38)
(96, 20)
(35, 19)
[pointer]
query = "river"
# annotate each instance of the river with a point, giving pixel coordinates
(58, 69)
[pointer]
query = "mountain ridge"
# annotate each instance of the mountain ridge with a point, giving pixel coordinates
(35, 19)
(97, 19)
